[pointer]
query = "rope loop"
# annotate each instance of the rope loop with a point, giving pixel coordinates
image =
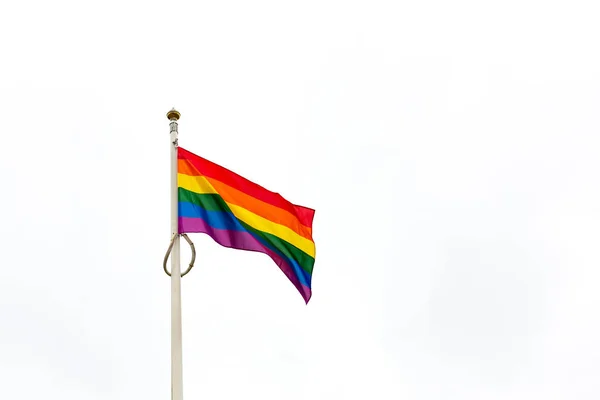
(187, 239)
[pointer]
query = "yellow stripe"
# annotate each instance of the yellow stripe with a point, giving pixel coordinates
(283, 232)
(272, 213)
(197, 184)
(201, 185)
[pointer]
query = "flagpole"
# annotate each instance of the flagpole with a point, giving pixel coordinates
(176, 346)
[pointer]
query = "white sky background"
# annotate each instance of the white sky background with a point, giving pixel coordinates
(449, 148)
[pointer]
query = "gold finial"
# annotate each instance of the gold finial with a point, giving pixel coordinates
(173, 115)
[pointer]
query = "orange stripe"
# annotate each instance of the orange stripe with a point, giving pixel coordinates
(207, 168)
(258, 207)
(185, 167)
(265, 210)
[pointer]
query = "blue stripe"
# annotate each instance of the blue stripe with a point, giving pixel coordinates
(228, 221)
(216, 219)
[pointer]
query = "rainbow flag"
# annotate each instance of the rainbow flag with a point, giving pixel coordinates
(240, 214)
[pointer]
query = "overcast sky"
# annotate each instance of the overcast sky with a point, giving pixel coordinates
(450, 150)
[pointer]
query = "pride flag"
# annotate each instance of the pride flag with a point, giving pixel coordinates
(240, 214)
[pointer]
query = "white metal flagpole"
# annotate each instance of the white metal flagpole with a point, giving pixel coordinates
(176, 347)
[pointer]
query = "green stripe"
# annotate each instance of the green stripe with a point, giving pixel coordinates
(214, 202)
(288, 249)
(210, 202)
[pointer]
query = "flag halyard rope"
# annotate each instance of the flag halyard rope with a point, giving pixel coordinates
(187, 239)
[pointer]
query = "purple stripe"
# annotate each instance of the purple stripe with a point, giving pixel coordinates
(242, 240)
(306, 293)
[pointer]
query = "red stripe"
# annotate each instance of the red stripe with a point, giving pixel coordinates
(207, 168)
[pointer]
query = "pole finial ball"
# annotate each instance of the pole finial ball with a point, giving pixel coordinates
(173, 115)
